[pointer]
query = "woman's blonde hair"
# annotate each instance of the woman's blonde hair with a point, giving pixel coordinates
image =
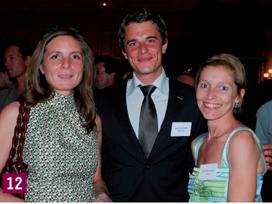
(231, 63)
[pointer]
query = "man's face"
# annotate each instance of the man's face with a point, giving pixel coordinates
(14, 62)
(102, 78)
(101, 75)
(144, 50)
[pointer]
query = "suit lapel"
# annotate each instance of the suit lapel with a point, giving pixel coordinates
(175, 101)
(128, 139)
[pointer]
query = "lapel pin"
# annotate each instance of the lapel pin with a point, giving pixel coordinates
(180, 98)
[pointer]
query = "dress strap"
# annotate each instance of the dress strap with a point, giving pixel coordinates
(196, 146)
(225, 160)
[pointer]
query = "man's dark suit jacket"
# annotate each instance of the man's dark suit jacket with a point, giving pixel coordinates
(163, 176)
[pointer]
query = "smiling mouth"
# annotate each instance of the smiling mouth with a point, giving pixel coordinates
(144, 59)
(212, 105)
(65, 76)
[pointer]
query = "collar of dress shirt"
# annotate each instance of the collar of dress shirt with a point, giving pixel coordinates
(161, 83)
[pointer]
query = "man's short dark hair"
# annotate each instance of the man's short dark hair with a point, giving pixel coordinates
(139, 16)
(111, 64)
(24, 46)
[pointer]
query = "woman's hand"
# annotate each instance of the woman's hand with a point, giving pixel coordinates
(103, 197)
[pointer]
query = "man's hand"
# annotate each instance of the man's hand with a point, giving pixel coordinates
(267, 148)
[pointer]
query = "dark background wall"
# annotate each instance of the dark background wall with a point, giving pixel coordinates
(197, 28)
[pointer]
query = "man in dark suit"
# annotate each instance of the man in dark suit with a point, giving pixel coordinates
(131, 172)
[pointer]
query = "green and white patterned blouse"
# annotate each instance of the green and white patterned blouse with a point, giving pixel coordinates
(61, 156)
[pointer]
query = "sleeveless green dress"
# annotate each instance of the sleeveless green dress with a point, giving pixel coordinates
(61, 156)
(216, 190)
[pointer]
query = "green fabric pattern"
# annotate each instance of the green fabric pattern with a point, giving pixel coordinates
(216, 190)
(62, 157)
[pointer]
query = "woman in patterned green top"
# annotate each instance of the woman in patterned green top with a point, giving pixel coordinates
(63, 139)
(229, 159)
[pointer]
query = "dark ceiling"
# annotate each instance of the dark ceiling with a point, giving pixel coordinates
(197, 28)
(181, 15)
(91, 5)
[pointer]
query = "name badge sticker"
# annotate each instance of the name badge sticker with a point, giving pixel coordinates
(181, 129)
(208, 171)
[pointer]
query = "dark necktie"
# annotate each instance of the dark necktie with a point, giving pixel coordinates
(148, 125)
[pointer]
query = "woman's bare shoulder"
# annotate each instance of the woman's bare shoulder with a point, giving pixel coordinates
(10, 111)
(8, 119)
(243, 137)
(243, 143)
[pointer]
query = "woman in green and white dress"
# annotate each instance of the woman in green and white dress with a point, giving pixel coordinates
(229, 159)
(63, 138)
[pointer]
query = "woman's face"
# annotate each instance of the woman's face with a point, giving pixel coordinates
(63, 64)
(216, 92)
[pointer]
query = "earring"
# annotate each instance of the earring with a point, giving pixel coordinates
(237, 106)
